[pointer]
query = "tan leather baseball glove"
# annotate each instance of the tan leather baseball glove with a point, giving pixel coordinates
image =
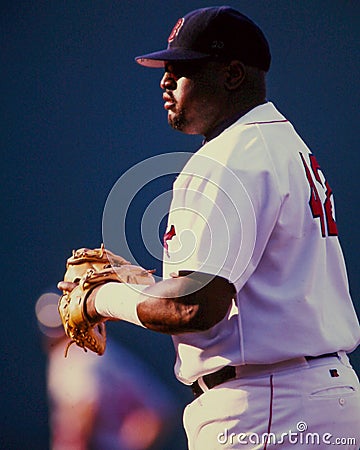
(85, 270)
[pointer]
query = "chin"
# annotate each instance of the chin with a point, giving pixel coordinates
(179, 123)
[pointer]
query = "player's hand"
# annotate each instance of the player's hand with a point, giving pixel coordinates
(87, 270)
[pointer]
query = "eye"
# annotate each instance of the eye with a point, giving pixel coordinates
(173, 70)
(188, 69)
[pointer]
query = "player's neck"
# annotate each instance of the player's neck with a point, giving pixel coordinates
(228, 122)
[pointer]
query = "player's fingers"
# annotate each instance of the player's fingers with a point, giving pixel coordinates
(67, 286)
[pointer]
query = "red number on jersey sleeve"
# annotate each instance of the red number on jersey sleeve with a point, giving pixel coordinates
(318, 208)
(315, 201)
(331, 224)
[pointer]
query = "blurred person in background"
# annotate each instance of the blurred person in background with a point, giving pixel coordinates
(113, 402)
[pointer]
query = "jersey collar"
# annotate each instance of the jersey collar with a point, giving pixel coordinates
(227, 123)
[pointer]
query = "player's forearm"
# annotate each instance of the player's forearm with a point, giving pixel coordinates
(172, 306)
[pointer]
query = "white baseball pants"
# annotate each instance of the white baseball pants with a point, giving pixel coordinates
(296, 404)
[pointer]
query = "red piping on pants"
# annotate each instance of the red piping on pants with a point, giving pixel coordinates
(270, 411)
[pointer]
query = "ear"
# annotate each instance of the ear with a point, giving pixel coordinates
(235, 75)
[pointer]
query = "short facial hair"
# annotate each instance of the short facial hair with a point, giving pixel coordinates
(178, 122)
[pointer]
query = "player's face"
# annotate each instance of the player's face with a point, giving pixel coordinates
(193, 95)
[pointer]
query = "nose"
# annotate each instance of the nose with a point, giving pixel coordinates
(168, 82)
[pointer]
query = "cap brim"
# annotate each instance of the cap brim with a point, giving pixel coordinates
(158, 59)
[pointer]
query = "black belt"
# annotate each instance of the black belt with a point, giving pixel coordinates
(229, 372)
(325, 355)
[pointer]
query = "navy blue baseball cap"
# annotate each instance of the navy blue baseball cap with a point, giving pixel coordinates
(221, 32)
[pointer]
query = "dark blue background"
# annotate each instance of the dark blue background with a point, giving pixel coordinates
(77, 112)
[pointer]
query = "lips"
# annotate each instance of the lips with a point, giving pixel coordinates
(169, 102)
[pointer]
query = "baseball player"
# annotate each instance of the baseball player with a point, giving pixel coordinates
(255, 291)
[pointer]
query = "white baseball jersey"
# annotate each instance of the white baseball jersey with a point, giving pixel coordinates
(253, 206)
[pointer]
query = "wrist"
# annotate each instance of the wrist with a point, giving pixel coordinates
(89, 306)
(118, 301)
